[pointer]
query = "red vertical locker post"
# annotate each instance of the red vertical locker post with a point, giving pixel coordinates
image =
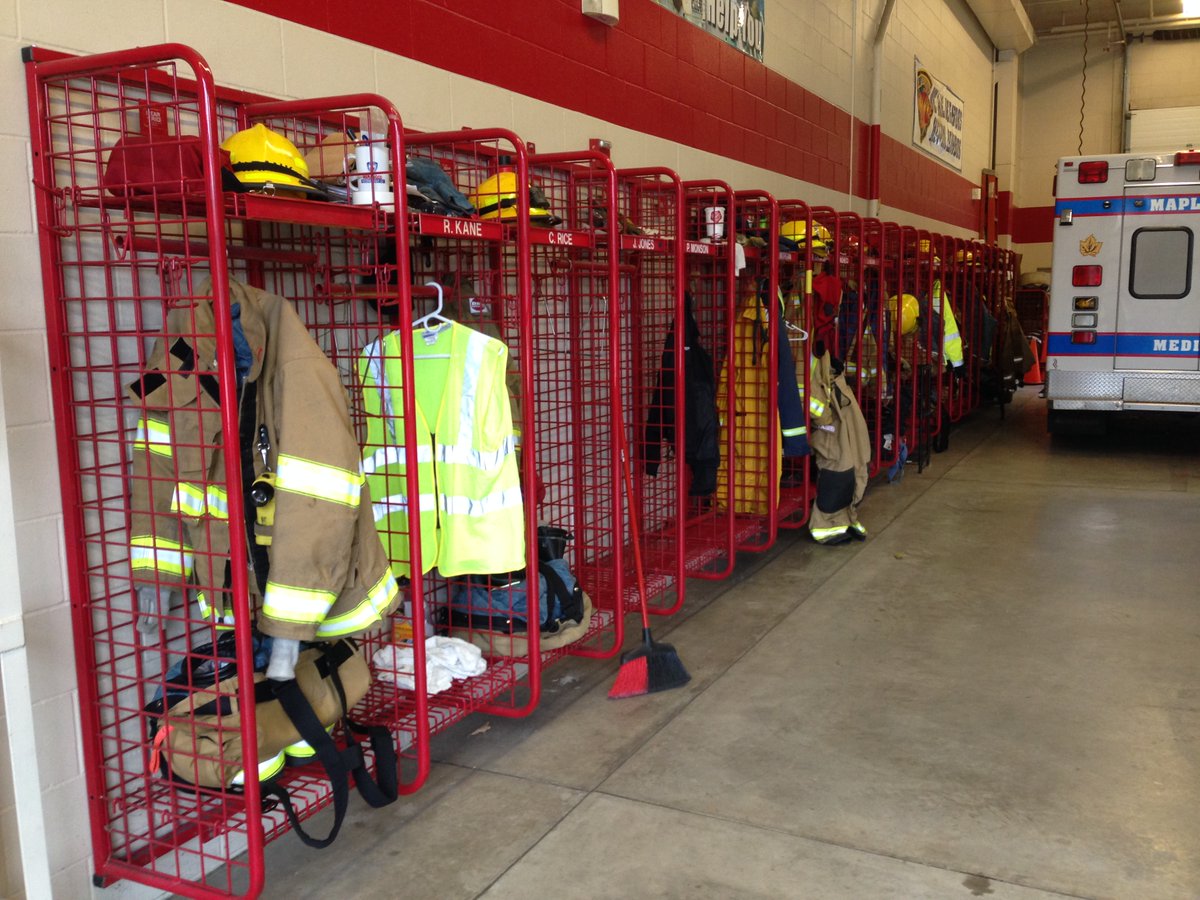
(711, 290)
(482, 265)
(749, 477)
(650, 207)
(795, 262)
(579, 359)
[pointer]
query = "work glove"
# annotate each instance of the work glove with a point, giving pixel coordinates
(959, 372)
(153, 601)
(284, 653)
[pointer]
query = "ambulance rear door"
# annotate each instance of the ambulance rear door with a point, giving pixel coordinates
(1158, 302)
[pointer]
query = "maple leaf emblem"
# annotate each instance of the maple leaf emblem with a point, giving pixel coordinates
(1089, 246)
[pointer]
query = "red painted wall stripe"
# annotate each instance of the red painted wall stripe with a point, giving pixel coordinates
(1033, 224)
(654, 73)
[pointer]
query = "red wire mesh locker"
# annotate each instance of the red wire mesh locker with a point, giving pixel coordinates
(121, 252)
(352, 289)
(710, 285)
(749, 477)
(482, 266)
(886, 278)
(860, 323)
(876, 337)
(795, 268)
(579, 360)
(650, 203)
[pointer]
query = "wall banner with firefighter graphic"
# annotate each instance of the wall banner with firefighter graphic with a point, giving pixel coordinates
(937, 117)
(738, 23)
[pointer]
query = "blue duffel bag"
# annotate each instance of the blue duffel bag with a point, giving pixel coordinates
(480, 602)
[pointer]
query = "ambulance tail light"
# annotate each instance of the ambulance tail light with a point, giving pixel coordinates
(1086, 276)
(1187, 158)
(1094, 172)
(1083, 337)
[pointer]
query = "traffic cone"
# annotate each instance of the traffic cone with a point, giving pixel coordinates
(1034, 375)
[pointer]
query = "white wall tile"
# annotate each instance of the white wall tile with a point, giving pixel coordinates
(64, 805)
(8, 17)
(22, 307)
(1164, 74)
(243, 47)
(51, 659)
(33, 461)
(542, 123)
(39, 547)
(475, 105)
(321, 65)
(11, 884)
(82, 26)
(15, 212)
(57, 739)
(26, 389)
(7, 797)
(420, 92)
(76, 881)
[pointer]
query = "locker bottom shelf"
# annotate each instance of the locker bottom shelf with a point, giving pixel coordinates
(793, 506)
(166, 832)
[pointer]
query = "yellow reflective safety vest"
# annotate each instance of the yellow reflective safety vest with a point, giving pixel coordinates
(951, 339)
(472, 520)
(328, 576)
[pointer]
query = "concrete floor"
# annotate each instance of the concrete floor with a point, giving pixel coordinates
(997, 694)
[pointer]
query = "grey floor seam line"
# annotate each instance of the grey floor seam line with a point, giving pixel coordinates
(882, 854)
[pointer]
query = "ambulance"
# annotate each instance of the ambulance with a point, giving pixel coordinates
(1124, 330)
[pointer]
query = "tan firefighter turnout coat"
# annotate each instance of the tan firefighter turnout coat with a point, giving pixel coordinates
(842, 448)
(328, 575)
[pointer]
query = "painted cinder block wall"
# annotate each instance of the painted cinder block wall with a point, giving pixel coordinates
(663, 92)
(1161, 74)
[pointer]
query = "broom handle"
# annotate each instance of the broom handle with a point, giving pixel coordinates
(633, 529)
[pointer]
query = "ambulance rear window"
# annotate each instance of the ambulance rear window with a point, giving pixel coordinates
(1160, 266)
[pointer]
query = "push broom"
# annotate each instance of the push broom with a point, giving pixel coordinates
(652, 666)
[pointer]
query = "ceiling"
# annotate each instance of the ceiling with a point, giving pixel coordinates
(1057, 16)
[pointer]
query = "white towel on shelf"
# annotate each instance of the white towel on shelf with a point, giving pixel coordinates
(460, 658)
(445, 660)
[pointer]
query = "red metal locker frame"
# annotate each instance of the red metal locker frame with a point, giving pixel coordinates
(795, 281)
(862, 370)
(69, 144)
(709, 546)
(877, 315)
(652, 266)
(755, 500)
(583, 256)
(485, 265)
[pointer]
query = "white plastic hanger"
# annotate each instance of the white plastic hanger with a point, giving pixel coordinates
(431, 323)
